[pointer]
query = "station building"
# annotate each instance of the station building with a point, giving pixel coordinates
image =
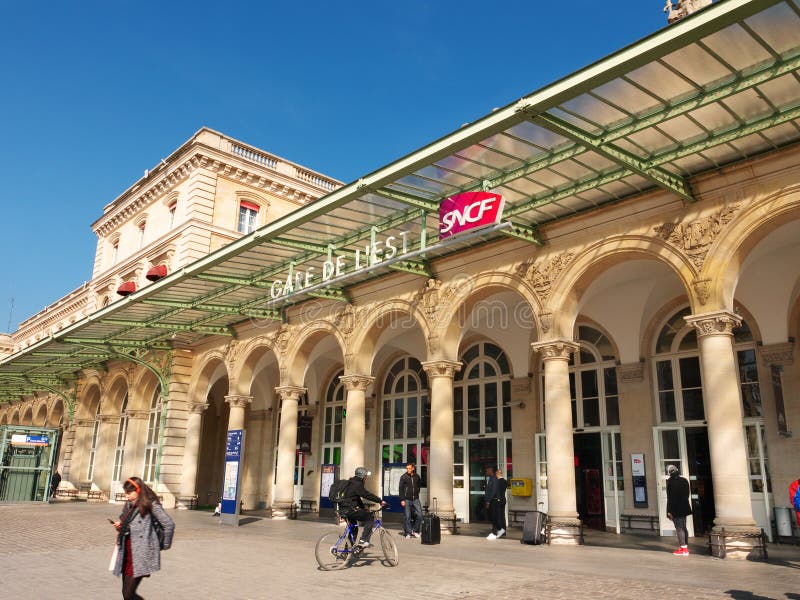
(582, 288)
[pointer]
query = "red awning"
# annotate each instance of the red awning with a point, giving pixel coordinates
(126, 288)
(157, 272)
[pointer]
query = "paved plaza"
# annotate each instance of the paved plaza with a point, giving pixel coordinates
(62, 551)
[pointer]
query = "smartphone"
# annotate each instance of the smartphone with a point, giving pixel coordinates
(112, 521)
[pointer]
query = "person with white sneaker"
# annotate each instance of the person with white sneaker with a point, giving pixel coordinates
(409, 499)
(497, 505)
(678, 507)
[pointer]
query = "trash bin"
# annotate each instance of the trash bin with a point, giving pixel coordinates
(783, 521)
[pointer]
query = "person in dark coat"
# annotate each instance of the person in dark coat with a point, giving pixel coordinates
(497, 506)
(489, 484)
(138, 546)
(352, 506)
(409, 500)
(54, 481)
(678, 507)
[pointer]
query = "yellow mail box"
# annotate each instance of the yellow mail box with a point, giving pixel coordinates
(521, 486)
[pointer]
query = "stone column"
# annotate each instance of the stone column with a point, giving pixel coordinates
(104, 454)
(237, 405)
(440, 470)
(80, 451)
(723, 406)
(191, 456)
(560, 451)
(355, 423)
(287, 450)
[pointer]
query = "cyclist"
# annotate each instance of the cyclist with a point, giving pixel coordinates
(352, 506)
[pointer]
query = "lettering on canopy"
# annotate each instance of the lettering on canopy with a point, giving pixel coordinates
(469, 210)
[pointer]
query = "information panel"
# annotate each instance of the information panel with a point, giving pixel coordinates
(234, 451)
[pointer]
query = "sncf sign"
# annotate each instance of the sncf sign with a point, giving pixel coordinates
(468, 211)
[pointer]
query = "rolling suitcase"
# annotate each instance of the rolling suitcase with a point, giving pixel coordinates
(533, 528)
(431, 530)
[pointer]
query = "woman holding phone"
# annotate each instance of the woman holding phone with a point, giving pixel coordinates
(139, 548)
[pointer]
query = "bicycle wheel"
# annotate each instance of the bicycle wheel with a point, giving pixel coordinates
(389, 548)
(334, 551)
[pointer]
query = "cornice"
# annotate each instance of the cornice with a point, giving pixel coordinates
(204, 157)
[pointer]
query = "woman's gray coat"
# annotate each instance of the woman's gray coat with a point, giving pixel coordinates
(144, 542)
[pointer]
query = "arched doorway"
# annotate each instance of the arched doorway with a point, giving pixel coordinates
(481, 425)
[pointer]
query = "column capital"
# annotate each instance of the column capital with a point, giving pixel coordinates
(109, 418)
(238, 400)
(355, 381)
(555, 349)
(441, 368)
(198, 408)
(718, 322)
(290, 392)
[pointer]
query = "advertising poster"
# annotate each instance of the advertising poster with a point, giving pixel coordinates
(234, 449)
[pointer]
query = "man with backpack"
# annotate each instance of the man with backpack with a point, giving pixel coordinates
(794, 498)
(348, 495)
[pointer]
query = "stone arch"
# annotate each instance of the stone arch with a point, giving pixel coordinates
(27, 415)
(733, 245)
(13, 418)
(115, 391)
(205, 378)
(468, 299)
(56, 414)
(297, 355)
(143, 385)
(243, 370)
(564, 298)
(392, 314)
(40, 414)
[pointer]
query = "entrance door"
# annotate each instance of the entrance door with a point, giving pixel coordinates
(460, 481)
(760, 484)
(612, 478)
(588, 479)
(670, 447)
(482, 452)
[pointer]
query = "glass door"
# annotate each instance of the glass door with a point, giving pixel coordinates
(760, 483)
(613, 481)
(483, 452)
(670, 449)
(541, 472)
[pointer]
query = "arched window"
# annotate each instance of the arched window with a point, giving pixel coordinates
(152, 439)
(593, 381)
(172, 208)
(114, 251)
(140, 239)
(482, 392)
(93, 443)
(406, 416)
(248, 217)
(122, 434)
(333, 427)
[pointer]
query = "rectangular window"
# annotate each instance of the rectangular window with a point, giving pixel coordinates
(248, 216)
(748, 379)
(666, 392)
(691, 389)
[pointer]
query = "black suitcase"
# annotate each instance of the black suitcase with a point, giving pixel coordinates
(431, 528)
(533, 528)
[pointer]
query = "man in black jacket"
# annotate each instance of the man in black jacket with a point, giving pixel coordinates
(678, 507)
(409, 500)
(352, 507)
(497, 505)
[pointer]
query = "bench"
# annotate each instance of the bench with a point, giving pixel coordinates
(650, 520)
(120, 497)
(756, 544)
(307, 506)
(66, 493)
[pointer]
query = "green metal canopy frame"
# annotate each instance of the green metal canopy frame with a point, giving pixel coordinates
(718, 87)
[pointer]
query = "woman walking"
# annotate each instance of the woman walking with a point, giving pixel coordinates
(138, 545)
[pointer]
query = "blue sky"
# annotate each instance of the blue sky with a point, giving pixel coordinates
(94, 93)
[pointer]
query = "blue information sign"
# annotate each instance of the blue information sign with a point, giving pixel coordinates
(230, 483)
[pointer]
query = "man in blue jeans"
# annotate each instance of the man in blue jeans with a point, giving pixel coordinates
(409, 500)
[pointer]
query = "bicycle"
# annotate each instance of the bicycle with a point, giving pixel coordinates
(336, 549)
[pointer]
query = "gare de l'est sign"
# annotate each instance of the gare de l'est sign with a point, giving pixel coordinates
(463, 212)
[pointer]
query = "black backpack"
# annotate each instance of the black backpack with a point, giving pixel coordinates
(338, 492)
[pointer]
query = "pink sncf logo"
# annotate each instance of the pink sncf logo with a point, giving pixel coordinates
(468, 211)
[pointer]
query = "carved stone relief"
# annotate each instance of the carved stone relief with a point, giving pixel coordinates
(778, 354)
(631, 372)
(696, 237)
(542, 274)
(434, 297)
